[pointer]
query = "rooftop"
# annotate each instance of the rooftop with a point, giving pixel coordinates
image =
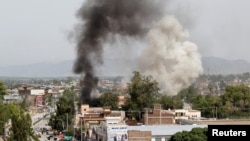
(171, 129)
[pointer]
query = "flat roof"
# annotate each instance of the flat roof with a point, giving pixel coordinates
(160, 130)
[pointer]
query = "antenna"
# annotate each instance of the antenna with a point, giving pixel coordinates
(208, 77)
(208, 71)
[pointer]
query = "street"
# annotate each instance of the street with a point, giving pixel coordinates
(43, 123)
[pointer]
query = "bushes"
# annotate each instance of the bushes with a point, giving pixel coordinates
(196, 134)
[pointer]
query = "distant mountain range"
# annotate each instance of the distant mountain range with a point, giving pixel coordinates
(211, 65)
(215, 65)
(59, 69)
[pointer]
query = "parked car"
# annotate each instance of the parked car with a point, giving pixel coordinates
(38, 134)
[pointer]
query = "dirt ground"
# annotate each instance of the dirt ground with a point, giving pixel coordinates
(223, 122)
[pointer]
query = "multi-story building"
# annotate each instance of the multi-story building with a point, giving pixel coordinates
(38, 98)
(12, 96)
(93, 116)
(160, 116)
(111, 130)
(103, 124)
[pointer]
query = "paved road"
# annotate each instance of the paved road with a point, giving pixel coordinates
(37, 116)
(41, 124)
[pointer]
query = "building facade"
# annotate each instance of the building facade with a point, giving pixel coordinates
(158, 116)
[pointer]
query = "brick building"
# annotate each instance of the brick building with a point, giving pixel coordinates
(137, 135)
(158, 116)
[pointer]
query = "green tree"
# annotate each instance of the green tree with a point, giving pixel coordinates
(4, 116)
(235, 101)
(188, 94)
(246, 96)
(70, 95)
(196, 134)
(143, 91)
(25, 104)
(20, 124)
(233, 94)
(200, 103)
(69, 80)
(65, 111)
(166, 102)
(3, 91)
(3, 108)
(177, 102)
(172, 102)
(245, 76)
(108, 99)
(214, 102)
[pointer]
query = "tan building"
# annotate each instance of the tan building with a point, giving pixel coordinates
(180, 114)
(187, 114)
(194, 114)
(93, 116)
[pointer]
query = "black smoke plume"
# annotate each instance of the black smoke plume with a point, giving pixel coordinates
(102, 19)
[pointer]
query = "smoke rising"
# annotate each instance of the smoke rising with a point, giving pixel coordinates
(172, 60)
(102, 19)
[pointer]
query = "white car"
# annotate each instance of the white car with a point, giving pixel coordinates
(38, 134)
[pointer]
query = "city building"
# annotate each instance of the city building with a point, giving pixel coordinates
(93, 116)
(112, 129)
(187, 114)
(158, 116)
(12, 96)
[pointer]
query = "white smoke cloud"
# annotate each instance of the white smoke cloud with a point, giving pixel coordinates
(170, 59)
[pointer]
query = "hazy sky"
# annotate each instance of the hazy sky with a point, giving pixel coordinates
(33, 31)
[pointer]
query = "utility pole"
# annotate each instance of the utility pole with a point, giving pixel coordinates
(74, 129)
(81, 129)
(62, 123)
(67, 121)
(216, 112)
(74, 119)
(54, 103)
